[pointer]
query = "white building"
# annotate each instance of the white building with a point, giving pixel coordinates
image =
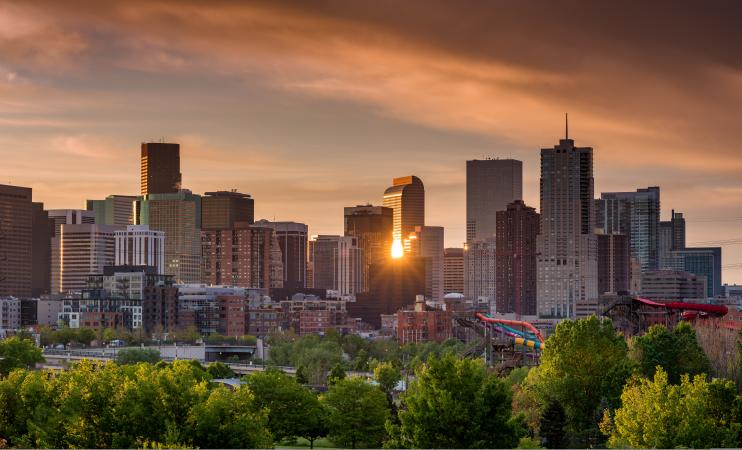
(479, 272)
(140, 246)
(427, 242)
(64, 217)
(10, 314)
(84, 250)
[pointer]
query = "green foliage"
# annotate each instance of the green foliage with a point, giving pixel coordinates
(137, 355)
(387, 376)
(337, 373)
(528, 442)
(216, 339)
(220, 370)
(676, 351)
(517, 376)
(584, 364)
(356, 413)
(455, 403)
(293, 410)
(551, 426)
(316, 354)
(16, 353)
(658, 414)
(301, 375)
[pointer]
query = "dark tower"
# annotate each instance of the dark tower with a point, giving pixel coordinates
(160, 168)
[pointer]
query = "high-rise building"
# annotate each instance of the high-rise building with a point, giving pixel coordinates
(137, 245)
(702, 262)
(160, 168)
(614, 263)
(491, 185)
(637, 215)
(178, 215)
(406, 197)
(85, 249)
(515, 270)
(113, 210)
(220, 210)
(567, 265)
(336, 264)
(672, 238)
(372, 226)
(427, 242)
(479, 272)
(43, 229)
(673, 285)
(16, 239)
(453, 271)
(61, 217)
(292, 239)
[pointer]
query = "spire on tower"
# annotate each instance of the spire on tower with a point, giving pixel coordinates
(566, 126)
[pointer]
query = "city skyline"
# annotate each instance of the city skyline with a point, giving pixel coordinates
(275, 119)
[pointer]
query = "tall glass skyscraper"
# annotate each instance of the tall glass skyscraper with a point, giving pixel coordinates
(406, 197)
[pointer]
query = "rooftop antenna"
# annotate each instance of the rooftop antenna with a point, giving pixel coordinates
(566, 126)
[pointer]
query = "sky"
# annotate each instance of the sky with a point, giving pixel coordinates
(313, 106)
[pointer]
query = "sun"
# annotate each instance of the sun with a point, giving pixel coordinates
(397, 250)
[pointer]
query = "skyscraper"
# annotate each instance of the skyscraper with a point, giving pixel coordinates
(614, 263)
(453, 271)
(567, 246)
(479, 272)
(292, 239)
(427, 242)
(406, 197)
(220, 210)
(702, 262)
(372, 226)
(113, 210)
(43, 229)
(671, 238)
(85, 249)
(491, 184)
(61, 217)
(160, 168)
(637, 215)
(16, 226)
(238, 256)
(179, 216)
(336, 264)
(517, 228)
(137, 245)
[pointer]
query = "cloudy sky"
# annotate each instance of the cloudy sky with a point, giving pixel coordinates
(312, 106)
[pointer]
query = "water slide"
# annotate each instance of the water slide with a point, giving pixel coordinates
(717, 310)
(530, 338)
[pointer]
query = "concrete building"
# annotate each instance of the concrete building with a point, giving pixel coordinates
(160, 168)
(480, 273)
(672, 285)
(614, 263)
(233, 315)
(84, 249)
(515, 269)
(453, 271)
(178, 215)
(671, 238)
(372, 226)
(137, 245)
(567, 265)
(61, 217)
(10, 314)
(637, 215)
(41, 262)
(428, 242)
(113, 210)
(336, 263)
(491, 185)
(198, 305)
(48, 309)
(221, 210)
(700, 261)
(423, 324)
(406, 198)
(240, 256)
(292, 240)
(16, 239)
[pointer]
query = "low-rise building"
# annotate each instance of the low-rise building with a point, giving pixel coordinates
(10, 314)
(423, 324)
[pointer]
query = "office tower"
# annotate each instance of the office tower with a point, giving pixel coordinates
(479, 272)
(515, 269)
(567, 264)
(614, 263)
(336, 264)
(406, 197)
(239, 256)
(372, 226)
(635, 279)
(292, 240)
(702, 262)
(673, 285)
(84, 249)
(453, 271)
(491, 185)
(427, 242)
(160, 168)
(16, 240)
(672, 237)
(137, 245)
(179, 217)
(220, 210)
(637, 215)
(61, 217)
(43, 229)
(113, 210)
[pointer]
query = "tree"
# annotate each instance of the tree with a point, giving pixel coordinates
(657, 414)
(676, 351)
(337, 373)
(356, 413)
(301, 375)
(85, 336)
(293, 410)
(18, 353)
(455, 403)
(137, 355)
(220, 370)
(551, 426)
(388, 376)
(584, 362)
